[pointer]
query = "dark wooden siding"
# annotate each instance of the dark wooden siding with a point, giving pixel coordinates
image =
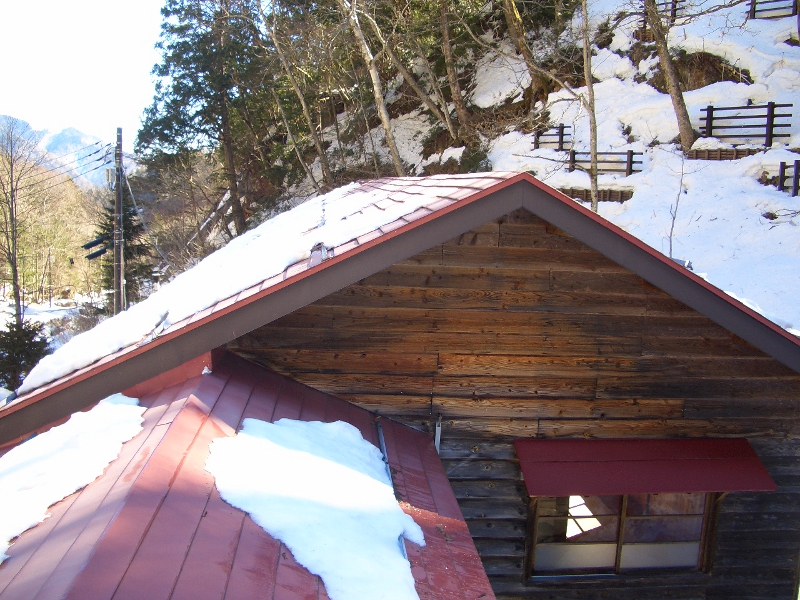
(517, 330)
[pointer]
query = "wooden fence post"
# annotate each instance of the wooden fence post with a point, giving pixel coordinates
(629, 164)
(560, 137)
(752, 9)
(571, 161)
(796, 178)
(536, 135)
(710, 119)
(770, 124)
(781, 175)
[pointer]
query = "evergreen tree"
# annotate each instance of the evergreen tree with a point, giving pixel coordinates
(137, 253)
(21, 347)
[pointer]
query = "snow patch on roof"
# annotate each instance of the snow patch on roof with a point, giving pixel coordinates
(51, 466)
(325, 492)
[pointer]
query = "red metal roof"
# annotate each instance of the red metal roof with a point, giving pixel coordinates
(457, 204)
(154, 526)
(608, 467)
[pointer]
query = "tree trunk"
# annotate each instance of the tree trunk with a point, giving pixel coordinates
(230, 169)
(292, 141)
(12, 212)
(589, 103)
(538, 88)
(660, 32)
(412, 81)
(452, 73)
(349, 10)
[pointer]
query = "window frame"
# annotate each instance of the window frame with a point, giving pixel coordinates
(705, 554)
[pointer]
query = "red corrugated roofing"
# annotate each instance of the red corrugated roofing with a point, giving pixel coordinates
(600, 467)
(154, 526)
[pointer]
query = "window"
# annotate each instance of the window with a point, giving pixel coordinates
(615, 506)
(610, 534)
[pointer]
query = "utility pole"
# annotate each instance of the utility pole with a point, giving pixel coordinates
(119, 241)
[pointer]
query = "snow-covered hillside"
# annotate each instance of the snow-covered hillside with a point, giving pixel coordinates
(742, 235)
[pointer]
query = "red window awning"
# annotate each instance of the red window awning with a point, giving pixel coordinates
(608, 467)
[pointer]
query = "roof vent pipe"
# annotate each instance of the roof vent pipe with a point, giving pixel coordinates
(319, 253)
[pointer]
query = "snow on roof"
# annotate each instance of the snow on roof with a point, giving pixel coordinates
(325, 492)
(47, 468)
(345, 214)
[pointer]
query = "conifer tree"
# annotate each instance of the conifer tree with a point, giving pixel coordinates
(137, 253)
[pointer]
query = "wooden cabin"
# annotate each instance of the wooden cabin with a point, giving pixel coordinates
(611, 425)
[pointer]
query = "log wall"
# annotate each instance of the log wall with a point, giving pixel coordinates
(517, 330)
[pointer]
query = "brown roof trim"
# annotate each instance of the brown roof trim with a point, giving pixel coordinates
(230, 319)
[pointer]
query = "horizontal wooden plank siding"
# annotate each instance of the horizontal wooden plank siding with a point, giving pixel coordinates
(516, 329)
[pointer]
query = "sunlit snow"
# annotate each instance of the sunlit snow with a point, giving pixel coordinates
(325, 492)
(51, 466)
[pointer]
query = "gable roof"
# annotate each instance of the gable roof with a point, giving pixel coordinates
(154, 525)
(414, 214)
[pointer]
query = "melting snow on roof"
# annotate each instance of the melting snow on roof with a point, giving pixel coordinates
(49, 467)
(325, 492)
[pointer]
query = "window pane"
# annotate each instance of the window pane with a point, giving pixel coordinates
(566, 557)
(578, 505)
(644, 556)
(666, 504)
(577, 530)
(664, 529)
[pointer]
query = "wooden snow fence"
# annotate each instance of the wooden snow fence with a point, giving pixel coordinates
(756, 123)
(722, 153)
(773, 9)
(602, 195)
(789, 178)
(669, 10)
(607, 162)
(558, 138)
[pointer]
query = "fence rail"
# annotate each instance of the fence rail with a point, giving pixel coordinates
(607, 162)
(669, 10)
(727, 123)
(558, 137)
(784, 176)
(773, 9)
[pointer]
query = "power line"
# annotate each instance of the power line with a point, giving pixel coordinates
(70, 179)
(64, 173)
(76, 151)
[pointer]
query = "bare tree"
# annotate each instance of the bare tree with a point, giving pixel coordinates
(660, 30)
(349, 10)
(20, 162)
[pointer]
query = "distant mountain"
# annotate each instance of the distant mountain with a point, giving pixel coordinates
(79, 155)
(74, 153)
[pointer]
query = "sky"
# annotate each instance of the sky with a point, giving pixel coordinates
(84, 64)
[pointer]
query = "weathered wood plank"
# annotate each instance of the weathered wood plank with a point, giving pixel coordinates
(694, 387)
(560, 408)
(497, 528)
(454, 447)
(651, 428)
(391, 404)
(327, 361)
(263, 341)
(582, 281)
(483, 299)
(496, 490)
(481, 469)
(358, 383)
(706, 408)
(482, 508)
(485, 235)
(411, 276)
(517, 387)
(529, 258)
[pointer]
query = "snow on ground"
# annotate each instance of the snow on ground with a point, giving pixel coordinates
(51, 466)
(720, 224)
(325, 492)
(38, 313)
(503, 76)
